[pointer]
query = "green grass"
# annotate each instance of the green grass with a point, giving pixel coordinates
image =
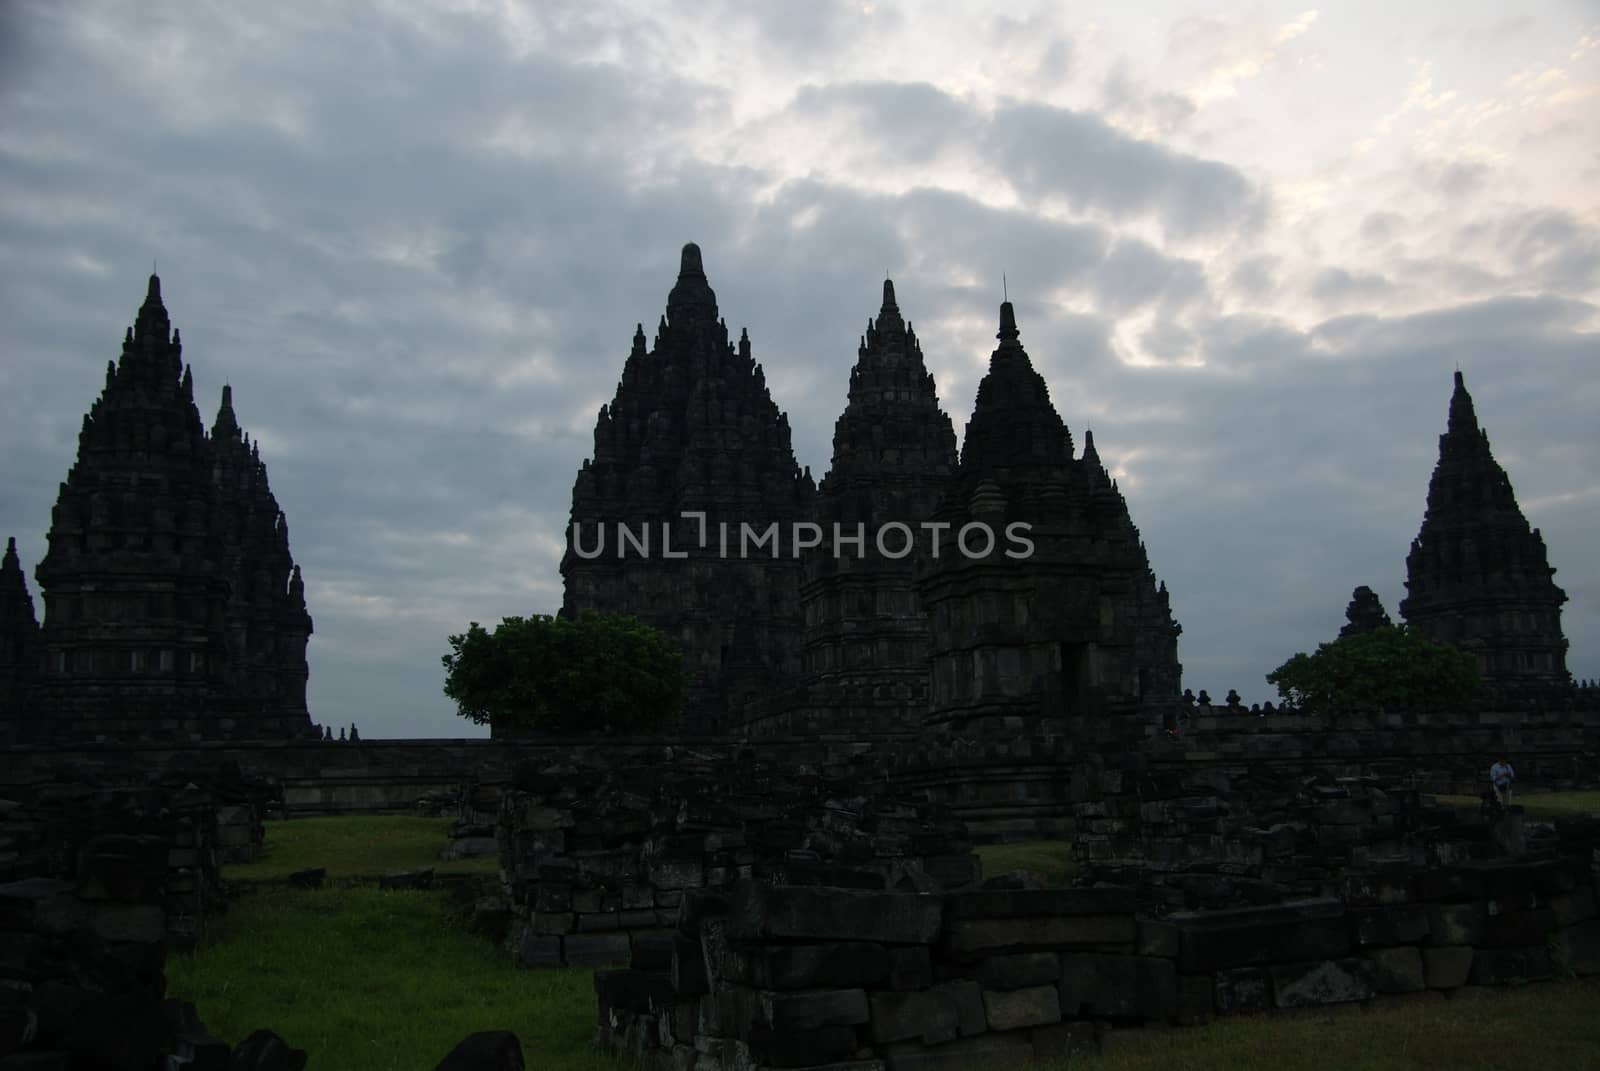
(1049, 860)
(356, 846)
(367, 980)
(1552, 1027)
(1542, 805)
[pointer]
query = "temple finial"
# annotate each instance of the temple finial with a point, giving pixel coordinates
(888, 294)
(1008, 323)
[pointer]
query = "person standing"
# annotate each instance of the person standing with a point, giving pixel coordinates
(1501, 775)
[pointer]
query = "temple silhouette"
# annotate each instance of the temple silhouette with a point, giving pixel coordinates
(173, 609)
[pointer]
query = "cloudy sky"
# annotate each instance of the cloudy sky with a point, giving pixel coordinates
(1247, 249)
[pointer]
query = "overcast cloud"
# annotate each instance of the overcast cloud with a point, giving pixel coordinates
(1247, 249)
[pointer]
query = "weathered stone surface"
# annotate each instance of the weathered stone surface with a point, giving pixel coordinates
(489, 1050)
(795, 913)
(595, 950)
(910, 968)
(130, 922)
(1499, 966)
(1159, 939)
(1456, 924)
(1328, 982)
(809, 1011)
(1578, 947)
(1037, 903)
(980, 937)
(1015, 1008)
(1397, 970)
(836, 964)
(1399, 924)
(1017, 971)
(1247, 989)
(935, 1015)
(1225, 939)
(1447, 967)
(1573, 907)
(1118, 987)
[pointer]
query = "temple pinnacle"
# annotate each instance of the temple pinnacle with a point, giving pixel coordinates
(1008, 322)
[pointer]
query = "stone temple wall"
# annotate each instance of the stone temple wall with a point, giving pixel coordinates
(597, 862)
(771, 976)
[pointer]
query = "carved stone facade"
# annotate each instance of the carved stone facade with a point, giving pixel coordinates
(172, 607)
(693, 445)
(1041, 600)
(1477, 576)
(894, 451)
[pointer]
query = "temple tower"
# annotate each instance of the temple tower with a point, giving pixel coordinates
(894, 450)
(19, 643)
(1477, 576)
(151, 534)
(1054, 616)
(268, 627)
(692, 445)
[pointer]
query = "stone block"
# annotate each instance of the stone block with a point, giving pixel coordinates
(1303, 985)
(1016, 1008)
(678, 874)
(1397, 970)
(538, 950)
(1571, 908)
(1446, 967)
(1018, 971)
(935, 1015)
(555, 923)
(1243, 990)
(910, 968)
(991, 1050)
(652, 951)
(976, 938)
(1159, 939)
(143, 923)
(1039, 903)
(786, 1012)
(1195, 995)
(1451, 884)
(1456, 924)
(1518, 929)
(1378, 888)
(1500, 966)
(804, 913)
(800, 1048)
(834, 964)
(1398, 924)
(1577, 947)
(487, 1050)
(596, 949)
(688, 967)
(1105, 986)
(1313, 930)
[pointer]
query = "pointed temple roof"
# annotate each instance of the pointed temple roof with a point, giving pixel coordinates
(692, 300)
(893, 446)
(16, 605)
(1477, 575)
(1013, 423)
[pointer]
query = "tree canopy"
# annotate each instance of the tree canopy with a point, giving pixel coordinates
(1389, 667)
(558, 674)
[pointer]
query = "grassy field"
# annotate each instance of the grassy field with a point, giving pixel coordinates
(1050, 860)
(368, 980)
(1542, 805)
(359, 846)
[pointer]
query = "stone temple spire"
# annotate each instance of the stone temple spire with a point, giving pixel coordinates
(19, 643)
(1477, 575)
(693, 429)
(894, 450)
(1070, 626)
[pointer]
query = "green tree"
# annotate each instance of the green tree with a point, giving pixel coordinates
(559, 674)
(1390, 667)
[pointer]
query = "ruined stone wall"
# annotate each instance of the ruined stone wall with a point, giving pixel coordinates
(596, 862)
(787, 977)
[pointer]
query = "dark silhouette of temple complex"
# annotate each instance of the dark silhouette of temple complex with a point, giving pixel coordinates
(1477, 576)
(172, 607)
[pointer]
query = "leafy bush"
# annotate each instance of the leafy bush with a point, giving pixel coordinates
(556, 674)
(1388, 667)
